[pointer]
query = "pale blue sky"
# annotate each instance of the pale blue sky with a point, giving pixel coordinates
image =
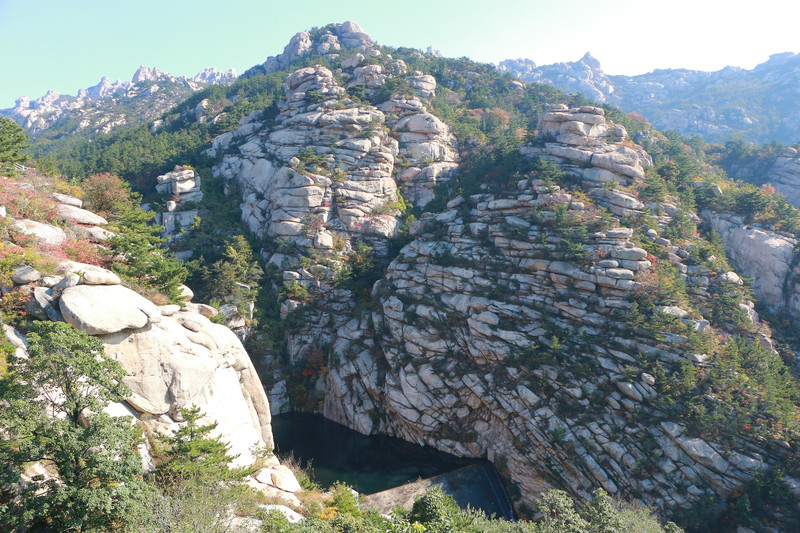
(68, 44)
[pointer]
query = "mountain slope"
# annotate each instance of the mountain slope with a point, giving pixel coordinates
(108, 105)
(759, 105)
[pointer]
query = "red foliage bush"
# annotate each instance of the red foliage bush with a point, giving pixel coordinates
(23, 203)
(80, 251)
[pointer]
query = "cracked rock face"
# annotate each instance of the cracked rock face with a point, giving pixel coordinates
(785, 175)
(458, 353)
(355, 178)
(455, 360)
(764, 255)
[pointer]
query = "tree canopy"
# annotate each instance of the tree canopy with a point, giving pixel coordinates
(53, 415)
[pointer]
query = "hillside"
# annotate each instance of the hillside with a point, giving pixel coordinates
(438, 251)
(758, 105)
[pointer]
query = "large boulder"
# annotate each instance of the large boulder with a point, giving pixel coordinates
(186, 360)
(79, 216)
(103, 309)
(45, 232)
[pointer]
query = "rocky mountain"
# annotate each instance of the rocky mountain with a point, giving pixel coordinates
(496, 331)
(108, 105)
(759, 105)
(569, 305)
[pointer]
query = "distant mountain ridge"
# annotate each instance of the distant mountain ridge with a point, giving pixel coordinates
(758, 105)
(107, 105)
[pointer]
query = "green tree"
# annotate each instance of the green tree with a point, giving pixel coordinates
(199, 489)
(193, 451)
(601, 515)
(559, 514)
(53, 414)
(437, 511)
(142, 257)
(231, 279)
(13, 142)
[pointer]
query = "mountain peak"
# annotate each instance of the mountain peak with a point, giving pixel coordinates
(146, 74)
(589, 60)
(326, 40)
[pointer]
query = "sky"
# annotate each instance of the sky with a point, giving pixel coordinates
(65, 45)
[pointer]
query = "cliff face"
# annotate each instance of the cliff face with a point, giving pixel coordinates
(766, 256)
(498, 331)
(489, 340)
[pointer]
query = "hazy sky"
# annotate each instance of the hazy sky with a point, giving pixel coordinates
(68, 44)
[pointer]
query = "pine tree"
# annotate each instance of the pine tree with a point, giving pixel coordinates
(13, 142)
(142, 256)
(192, 451)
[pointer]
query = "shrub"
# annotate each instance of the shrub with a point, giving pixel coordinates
(108, 195)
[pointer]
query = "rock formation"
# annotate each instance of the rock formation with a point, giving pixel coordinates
(457, 354)
(766, 256)
(461, 350)
(784, 175)
(328, 176)
(180, 187)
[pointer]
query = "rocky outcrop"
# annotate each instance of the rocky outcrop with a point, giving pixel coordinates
(764, 255)
(492, 337)
(489, 342)
(174, 356)
(328, 176)
(595, 152)
(784, 175)
(332, 39)
(331, 169)
(180, 186)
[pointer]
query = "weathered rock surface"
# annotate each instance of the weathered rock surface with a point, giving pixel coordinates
(80, 216)
(460, 362)
(45, 232)
(764, 255)
(182, 184)
(185, 360)
(785, 175)
(460, 351)
(102, 309)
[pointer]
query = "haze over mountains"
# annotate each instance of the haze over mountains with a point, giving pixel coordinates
(757, 105)
(103, 107)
